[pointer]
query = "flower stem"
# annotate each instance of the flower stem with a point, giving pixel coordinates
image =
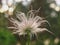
(28, 39)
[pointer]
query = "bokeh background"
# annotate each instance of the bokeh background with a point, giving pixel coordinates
(50, 10)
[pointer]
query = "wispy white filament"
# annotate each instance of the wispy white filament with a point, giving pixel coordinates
(29, 21)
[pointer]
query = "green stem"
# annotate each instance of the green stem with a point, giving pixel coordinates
(28, 39)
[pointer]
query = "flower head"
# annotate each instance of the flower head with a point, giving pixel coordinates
(29, 23)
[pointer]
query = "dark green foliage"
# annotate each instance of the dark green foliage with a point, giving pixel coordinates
(6, 38)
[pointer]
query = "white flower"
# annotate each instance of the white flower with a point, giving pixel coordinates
(29, 23)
